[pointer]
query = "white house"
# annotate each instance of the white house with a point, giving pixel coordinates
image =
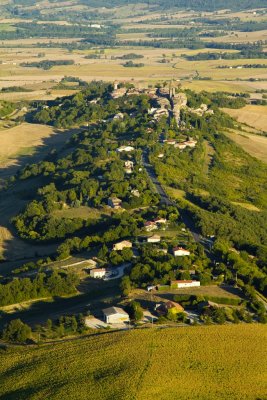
(125, 244)
(125, 148)
(98, 272)
(115, 315)
(180, 252)
(97, 26)
(153, 239)
(160, 220)
(184, 284)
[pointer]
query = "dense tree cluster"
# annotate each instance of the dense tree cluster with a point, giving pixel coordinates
(243, 54)
(47, 64)
(16, 331)
(42, 286)
(6, 108)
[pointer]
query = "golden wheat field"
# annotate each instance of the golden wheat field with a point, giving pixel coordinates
(194, 363)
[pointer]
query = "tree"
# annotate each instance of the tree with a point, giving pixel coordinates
(17, 331)
(125, 285)
(74, 324)
(219, 316)
(49, 324)
(135, 311)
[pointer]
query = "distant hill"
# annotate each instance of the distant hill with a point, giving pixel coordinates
(212, 5)
(196, 363)
(207, 5)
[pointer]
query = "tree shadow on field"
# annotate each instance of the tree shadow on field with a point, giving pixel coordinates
(54, 142)
(22, 394)
(18, 194)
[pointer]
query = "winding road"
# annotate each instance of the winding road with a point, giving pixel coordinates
(164, 198)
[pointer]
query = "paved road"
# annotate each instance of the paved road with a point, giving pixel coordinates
(118, 272)
(164, 198)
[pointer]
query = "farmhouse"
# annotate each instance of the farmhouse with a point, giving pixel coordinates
(153, 239)
(115, 315)
(184, 284)
(169, 306)
(114, 202)
(98, 272)
(180, 252)
(125, 244)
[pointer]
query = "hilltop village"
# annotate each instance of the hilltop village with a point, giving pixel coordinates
(140, 234)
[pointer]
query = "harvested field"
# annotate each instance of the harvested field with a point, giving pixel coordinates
(255, 145)
(254, 116)
(25, 140)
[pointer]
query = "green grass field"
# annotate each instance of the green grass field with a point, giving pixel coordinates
(197, 363)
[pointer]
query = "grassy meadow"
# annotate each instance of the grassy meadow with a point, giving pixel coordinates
(197, 363)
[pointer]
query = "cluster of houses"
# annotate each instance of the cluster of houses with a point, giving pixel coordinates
(101, 273)
(202, 110)
(117, 316)
(168, 101)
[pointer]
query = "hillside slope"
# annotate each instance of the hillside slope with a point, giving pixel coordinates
(215, 362)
